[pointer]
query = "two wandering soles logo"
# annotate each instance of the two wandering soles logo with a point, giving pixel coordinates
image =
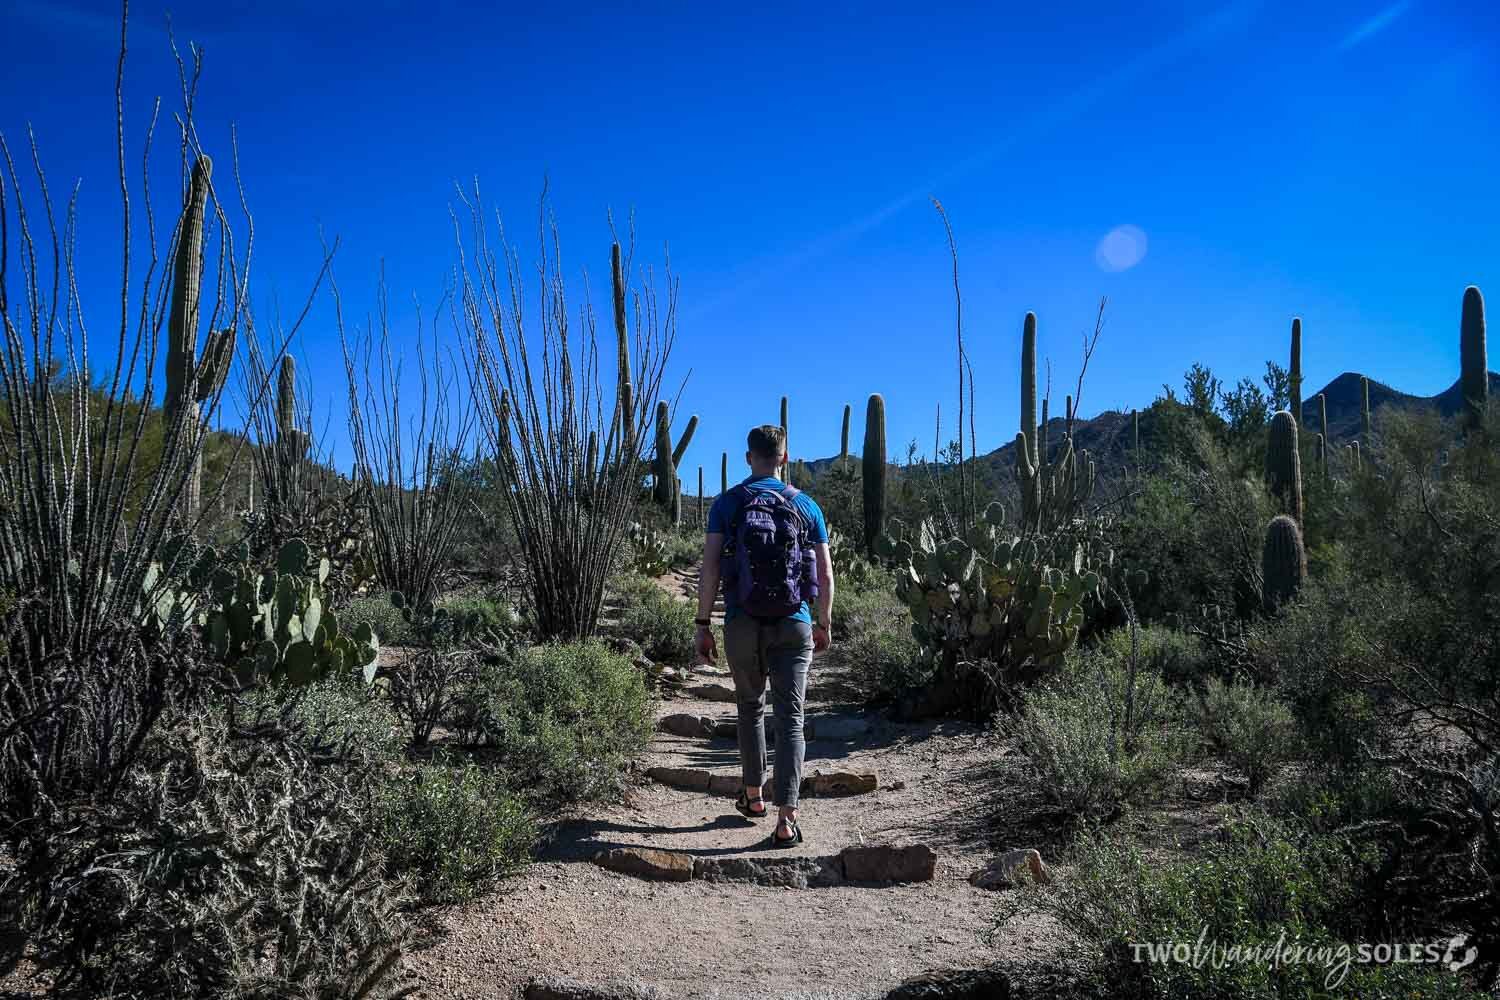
(1455, 953)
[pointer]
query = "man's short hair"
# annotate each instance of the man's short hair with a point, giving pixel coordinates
(767, 441)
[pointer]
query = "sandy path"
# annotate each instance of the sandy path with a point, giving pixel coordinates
(567, 916)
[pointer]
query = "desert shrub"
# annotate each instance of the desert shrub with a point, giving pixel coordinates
(874, 641)
(354, 719)
(380, 614)
(1177, 656)
(1264, 885)
(563, 720)
(235, 859)
(661, 624)
(1104, 733)
(453, 828)
(1249, 727)
(857, 603)
(488, 610)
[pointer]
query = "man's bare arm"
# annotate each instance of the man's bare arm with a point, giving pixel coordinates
(708, 579)
(823, 612)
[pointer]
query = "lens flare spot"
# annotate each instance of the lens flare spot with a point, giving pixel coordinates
(1121, 249)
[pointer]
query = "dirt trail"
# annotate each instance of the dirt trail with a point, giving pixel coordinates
(699, 939)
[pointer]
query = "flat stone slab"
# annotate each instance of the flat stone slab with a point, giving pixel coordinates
(913, 863)
(686, 724)
(786, 873)
(839, 783)
(881, 863)
(712, 691)
(697, 779)
(561, 988)
(647, 863)
(689, 779)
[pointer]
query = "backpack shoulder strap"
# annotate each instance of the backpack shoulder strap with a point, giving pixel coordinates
(790, 493)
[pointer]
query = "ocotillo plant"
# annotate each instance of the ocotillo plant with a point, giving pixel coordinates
(664, 466)
(874, 471)
(1475, 377)
(1294, 373)
(191, 379)
(1041, 432)
(1284, 464)
(1283, 563)
(1364, 408)
(625, 391)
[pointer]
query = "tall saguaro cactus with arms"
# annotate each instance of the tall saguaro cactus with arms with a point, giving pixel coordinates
(191, 379)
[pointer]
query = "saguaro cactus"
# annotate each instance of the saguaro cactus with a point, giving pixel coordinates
(1475, 377)
(1294, 374)
(723, 472)
(874, 471)
(1041, 433)
(1364, 408)
(291, 441)
(701, 509)
(1283, 563)
(1284, 464)
(1068, 412)
(625, 392)
(786, 442)
(192, 380)
(1028, 387)
(1135, 435)
(664, 467)
(844, 438)
(1324, 440)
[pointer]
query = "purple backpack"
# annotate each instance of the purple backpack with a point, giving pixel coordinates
(772, 566)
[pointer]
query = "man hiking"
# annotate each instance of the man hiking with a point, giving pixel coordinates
(768, 542)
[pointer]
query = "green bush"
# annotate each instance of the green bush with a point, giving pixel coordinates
(1177, 656)
(454, 828)
(1264, 885)
(344, 715)
(491, 611)
(1102, 733)
(661, 624)
(563, 720)
(873, 641)
(382, 616)
(1249, 727)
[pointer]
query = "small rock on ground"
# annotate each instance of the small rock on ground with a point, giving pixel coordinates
(1005, 871)
(712, 692)
(686, 724)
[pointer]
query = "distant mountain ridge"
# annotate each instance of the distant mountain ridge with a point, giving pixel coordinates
(1106, 437)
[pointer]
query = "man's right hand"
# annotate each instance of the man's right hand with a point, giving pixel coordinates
(706, 647)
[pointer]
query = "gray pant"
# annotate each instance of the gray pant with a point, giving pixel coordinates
(779, 650)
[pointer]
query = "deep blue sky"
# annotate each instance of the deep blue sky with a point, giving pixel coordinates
(1335, 160)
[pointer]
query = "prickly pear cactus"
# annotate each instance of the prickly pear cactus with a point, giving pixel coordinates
(276, 626)
(1015, 600)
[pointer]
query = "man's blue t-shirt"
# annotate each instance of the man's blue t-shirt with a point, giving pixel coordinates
(725, 509)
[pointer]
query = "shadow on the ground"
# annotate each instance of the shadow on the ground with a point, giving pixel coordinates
(581, 839)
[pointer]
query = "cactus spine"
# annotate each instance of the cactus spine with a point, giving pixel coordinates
(1364, 408)
(1283, 563)
(625, 401)
(192, 380)
(874, 471)
(1284, 464)
(664, 467)
(1294, 374)
(1475, 376)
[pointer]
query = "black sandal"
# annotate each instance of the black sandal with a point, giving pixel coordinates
(743, 803)
(778, 843)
